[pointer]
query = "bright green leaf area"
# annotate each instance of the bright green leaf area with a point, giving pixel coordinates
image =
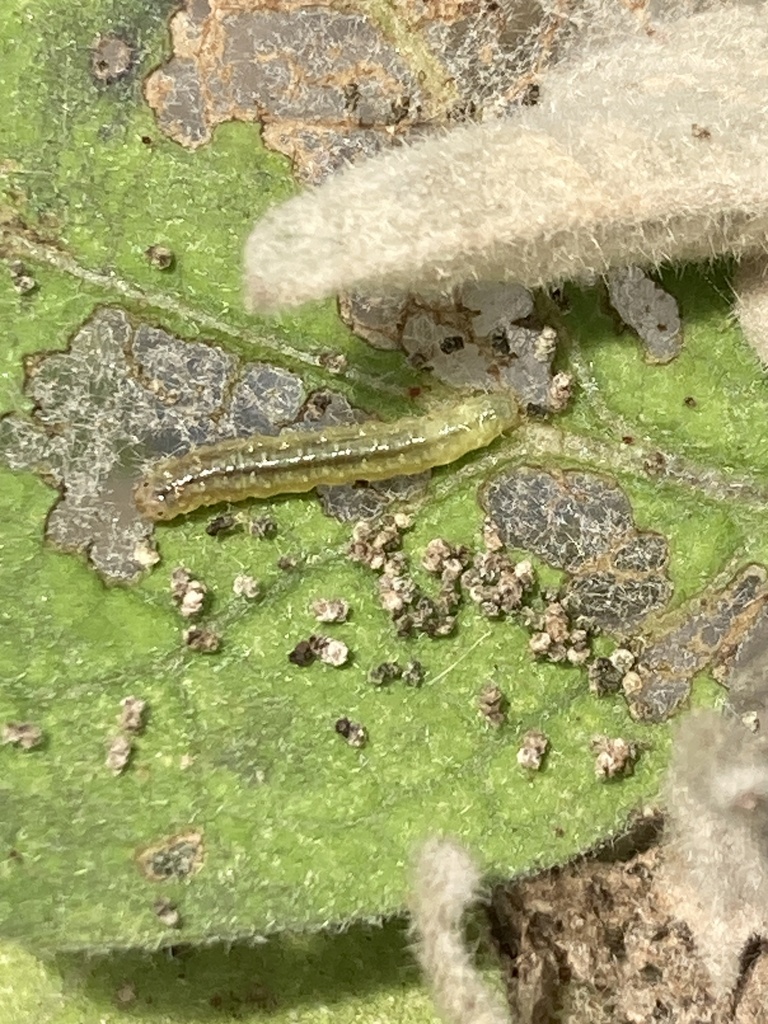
(725, 428)
(299, 830)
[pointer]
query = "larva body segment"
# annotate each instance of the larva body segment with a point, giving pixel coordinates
(262, 466)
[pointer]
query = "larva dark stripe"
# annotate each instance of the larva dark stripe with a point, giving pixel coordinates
(262, 466)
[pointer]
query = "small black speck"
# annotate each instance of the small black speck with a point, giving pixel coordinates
(399, 109)
(351, 93)
(343, 727)
(499, 340)
(453, 343)
(303, 654)
(221, 524)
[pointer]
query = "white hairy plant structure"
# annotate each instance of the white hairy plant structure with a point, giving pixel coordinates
(650, 148)
(716, 871)
(446, 882)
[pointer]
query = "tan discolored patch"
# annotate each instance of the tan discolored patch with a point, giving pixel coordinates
(176, 856)
(596, 942)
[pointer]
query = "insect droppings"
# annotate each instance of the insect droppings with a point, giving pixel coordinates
(221, 524)
(167, 912)
(354, 733)
(132, 716)
(202, 639)
(295, 461)
(22, 734)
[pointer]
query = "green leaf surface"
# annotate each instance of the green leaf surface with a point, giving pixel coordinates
(295, 829)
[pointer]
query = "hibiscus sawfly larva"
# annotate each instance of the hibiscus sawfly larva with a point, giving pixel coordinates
(293, 461)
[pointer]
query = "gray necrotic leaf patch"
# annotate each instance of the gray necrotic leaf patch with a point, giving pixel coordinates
(124, 394)
(617, 577)
(480, 336)
(330, 86)
(653, 313)
(582, 523)
(328, 82)
(713, 628)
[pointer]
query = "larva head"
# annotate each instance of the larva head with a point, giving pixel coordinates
(156, 500)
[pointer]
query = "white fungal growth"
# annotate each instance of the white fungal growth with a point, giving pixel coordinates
(651, 148)
(446, 882)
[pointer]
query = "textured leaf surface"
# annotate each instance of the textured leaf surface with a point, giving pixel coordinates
(294, 829)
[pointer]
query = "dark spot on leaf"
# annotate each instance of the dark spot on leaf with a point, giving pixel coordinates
(112, 58)
(177, 856)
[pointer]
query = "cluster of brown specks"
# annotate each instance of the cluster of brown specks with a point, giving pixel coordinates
(556, 639)
(21, 278)
(189, 596)
(334, 609)
(495, 584)
(614, 757)
(532, 750)
(202, 639)
(560, 391)
(119, 750)
(160, 257)
(412, 674)
(132, 715)
(188, 593)
(493, 705)
(334, 362)
(354, 733)
(131, 724)
(25, 735)
(614, 673)
(323, 648)
(499, 588)
(247, 586)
